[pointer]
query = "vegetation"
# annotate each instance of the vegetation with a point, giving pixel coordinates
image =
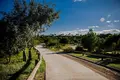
(88, 57)
(17, 68)
(99, 48)
(114, 65)
(19, 32)
(20, 26)
(19, 29)
(40, 75)
(79, 48)
(96, 59)
(89, 41)
(69, 49)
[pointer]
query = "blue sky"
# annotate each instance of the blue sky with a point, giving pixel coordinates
(78, 15)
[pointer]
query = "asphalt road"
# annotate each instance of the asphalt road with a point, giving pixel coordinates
(61, 68)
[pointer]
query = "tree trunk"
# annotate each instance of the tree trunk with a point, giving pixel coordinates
(9, 59)
(30, 55)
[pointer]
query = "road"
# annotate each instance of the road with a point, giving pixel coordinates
(61, 68)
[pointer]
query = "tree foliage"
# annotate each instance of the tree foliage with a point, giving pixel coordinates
(89, 40)
(64, 41)
(22, 23)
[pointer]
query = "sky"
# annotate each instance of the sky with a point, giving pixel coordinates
(78, 16)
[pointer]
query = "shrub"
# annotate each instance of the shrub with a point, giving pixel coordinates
(64, 41)
(79, 48)
(52, 42)
(99, 51)
(69, 49)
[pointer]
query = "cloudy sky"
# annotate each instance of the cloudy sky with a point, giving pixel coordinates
(77, 16)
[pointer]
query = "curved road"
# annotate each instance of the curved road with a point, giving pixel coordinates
(62, 68)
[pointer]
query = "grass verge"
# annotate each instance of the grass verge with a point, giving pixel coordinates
(60, 48)
(114, 65)
(40, 75)
(88, 57)
(17, 65)
(97, 59)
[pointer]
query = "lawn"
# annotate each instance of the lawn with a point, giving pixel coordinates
(23, 69)
(41, 71)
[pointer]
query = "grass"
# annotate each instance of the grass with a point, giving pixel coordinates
(96, 59)
(54, 48)
(41, 71)
(16, 64)
(29, 69)
(88, 57)
(114, 65)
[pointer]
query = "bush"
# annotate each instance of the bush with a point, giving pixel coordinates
(79, 48)
(69, 49)
(64, 41)
(99, 51)
(52, 42)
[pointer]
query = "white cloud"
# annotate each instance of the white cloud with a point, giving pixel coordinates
(74, 32)
(116, 21)
(109, 15)
(112, 31)
(85, 31)
(79, 0)
(93, 26)
(102, 19)
(108, 21)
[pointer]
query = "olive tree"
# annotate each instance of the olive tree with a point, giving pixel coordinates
(23, 22)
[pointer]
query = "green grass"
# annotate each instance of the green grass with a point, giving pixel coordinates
(96, 59)
(114, 65)
(41, 71)
(54, 48)
(88, 57)
(65, 46)
(7, 70)
(29, 69)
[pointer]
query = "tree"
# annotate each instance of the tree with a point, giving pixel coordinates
(52, 42)
(89, 40)
(110, 40)
(22, 23)
(114, 47)
(100, 45)
(64, 41)
(118, 45)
